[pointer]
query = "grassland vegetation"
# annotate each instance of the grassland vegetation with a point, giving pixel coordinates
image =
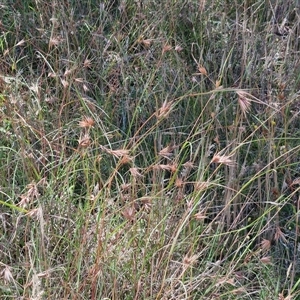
(149, 149)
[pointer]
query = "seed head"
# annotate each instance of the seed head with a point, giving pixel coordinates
(223, 159)
(86, 122)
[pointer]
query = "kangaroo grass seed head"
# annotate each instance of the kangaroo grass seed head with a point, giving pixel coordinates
(166, 152)
(266, 260)
(164, 110)
(129, 213)
(166, 48)
(135, 173)
(265, 245)
(6, 274)
(202, 70)
(189, 261)
(244, 101)
(126, 159)
(84, 141)
(86, 122)
(87, 64)
(223, 160)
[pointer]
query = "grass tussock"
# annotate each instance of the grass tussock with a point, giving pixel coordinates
(149, 150)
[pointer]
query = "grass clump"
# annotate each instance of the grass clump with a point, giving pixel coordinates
(149, 150)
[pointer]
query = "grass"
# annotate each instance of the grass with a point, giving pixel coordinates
(149, 150)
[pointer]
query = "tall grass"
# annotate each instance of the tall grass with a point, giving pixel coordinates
(149, 150)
